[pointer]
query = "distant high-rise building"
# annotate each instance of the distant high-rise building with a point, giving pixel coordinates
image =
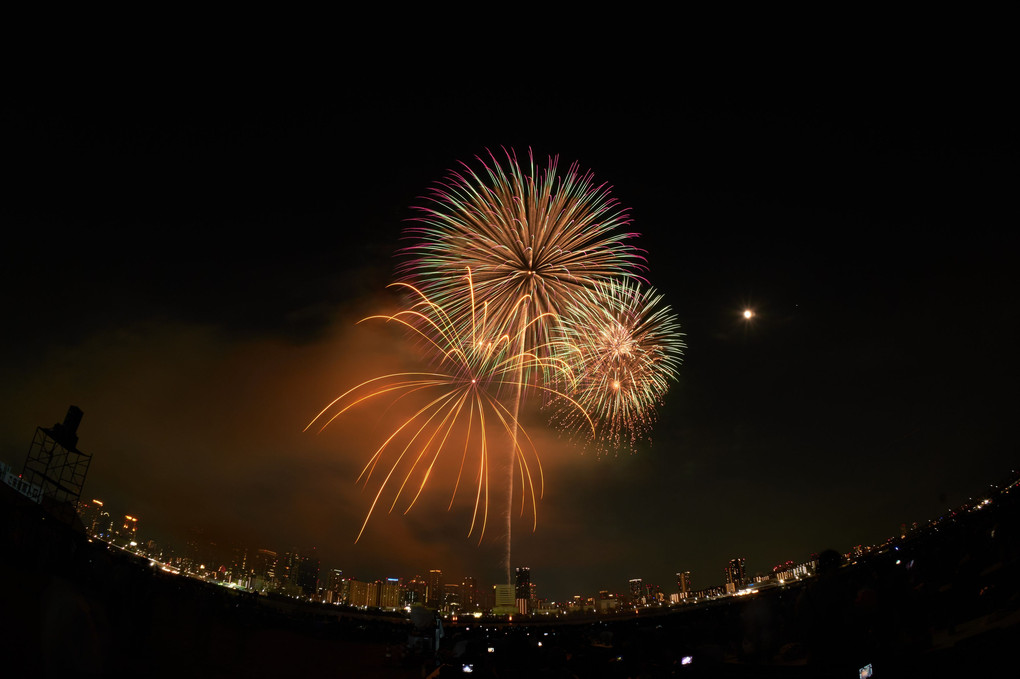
(129, 531)
(486, 598)
(637, 590)
(334, 585)
(416, 591)
(263, 569)
(606, 601)
(451, 597)
(389, 593)
(239, 566)
(522, 590)
(522, 582)
(505, 602)
(469, 594)
(286, 569)
(91, 515)
(364, 594)
(434, 594)
(343, 597)
(334, 579)
(104, 528)
(307, 576)
(735, 577)
(683, 584)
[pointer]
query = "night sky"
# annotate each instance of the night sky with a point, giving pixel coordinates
(187, 253)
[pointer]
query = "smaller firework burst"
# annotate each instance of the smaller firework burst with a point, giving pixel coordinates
(476, 367)
(626, 347)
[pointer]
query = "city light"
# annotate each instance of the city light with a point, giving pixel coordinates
(258, 576)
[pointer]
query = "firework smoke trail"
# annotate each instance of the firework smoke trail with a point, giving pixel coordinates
(526, 234)
(628, 348)
(474, 366)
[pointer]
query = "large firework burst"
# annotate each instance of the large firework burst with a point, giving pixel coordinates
(525, 233)
(627, 346)
(475, 367)
(529, 235)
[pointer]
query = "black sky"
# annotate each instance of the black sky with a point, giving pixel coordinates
(187, 252)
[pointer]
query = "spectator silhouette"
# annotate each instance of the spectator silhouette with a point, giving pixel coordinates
(823, 609)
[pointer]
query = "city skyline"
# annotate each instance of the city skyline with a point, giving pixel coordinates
(187, 267)
(270, 570)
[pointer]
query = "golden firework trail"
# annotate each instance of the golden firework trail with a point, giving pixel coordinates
(475, 368)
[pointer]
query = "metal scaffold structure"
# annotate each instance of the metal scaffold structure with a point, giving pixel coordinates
(54, 462)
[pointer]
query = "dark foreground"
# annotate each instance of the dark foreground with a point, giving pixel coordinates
(949, 608)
